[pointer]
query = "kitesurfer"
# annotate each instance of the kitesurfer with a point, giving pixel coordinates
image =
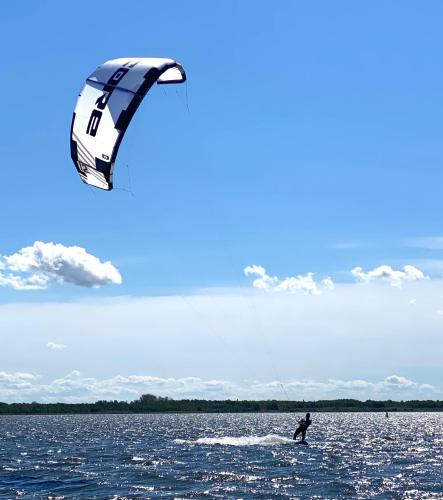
(303, 425)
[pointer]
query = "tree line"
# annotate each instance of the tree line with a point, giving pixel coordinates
(152, 404)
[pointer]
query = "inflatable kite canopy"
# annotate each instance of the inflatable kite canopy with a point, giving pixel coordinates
(105, 107)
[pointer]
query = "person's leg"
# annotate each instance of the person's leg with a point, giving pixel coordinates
(296, 433)
(303, 435)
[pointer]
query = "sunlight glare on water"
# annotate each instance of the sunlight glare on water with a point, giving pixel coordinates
(354, 455)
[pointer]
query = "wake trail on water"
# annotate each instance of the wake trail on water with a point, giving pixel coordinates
(268, 440)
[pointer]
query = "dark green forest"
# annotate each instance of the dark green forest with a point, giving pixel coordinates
(153, 404)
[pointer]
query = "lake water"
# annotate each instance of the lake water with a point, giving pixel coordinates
(362, 455)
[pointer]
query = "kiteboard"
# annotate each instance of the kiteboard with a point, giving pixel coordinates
(301, 442)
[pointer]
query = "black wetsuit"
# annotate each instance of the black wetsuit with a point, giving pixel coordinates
(303, 425)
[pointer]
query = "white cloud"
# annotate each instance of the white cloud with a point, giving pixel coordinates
(77, 388)
(54, 346)
(16, 383)
(293, 284)
(34, 267)
(234, 334)
(386, 273)
(393, 386)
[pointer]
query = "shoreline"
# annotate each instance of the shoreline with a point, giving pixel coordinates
(150, 404)
(193, 412)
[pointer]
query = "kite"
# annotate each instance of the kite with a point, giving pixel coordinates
(105, 107)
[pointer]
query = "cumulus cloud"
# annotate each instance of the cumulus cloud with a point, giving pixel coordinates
(386, 273)
(393, 386)
(36, 266)
(77, 388)
(305, 284)
(54, 346)
(16, 383)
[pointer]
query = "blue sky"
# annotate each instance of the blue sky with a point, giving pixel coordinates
(307, 139)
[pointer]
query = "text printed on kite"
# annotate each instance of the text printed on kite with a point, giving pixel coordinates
(105, 107)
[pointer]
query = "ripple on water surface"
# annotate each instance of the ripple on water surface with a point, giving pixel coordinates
(359, 455)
